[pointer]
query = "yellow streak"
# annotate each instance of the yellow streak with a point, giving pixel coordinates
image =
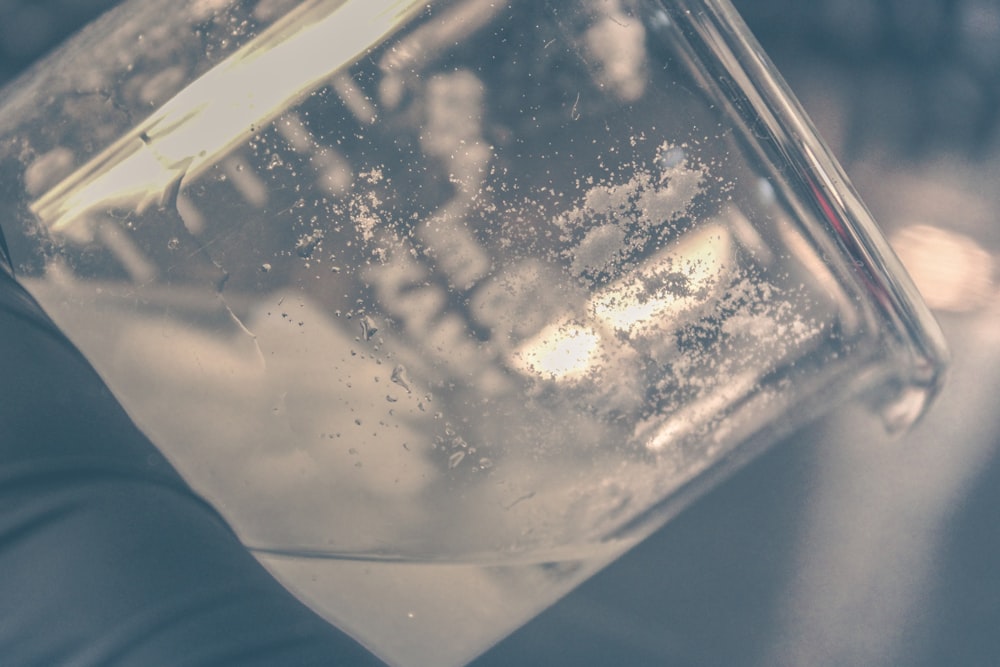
(224, 107)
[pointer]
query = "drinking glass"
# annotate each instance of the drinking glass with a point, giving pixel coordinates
(447, 304)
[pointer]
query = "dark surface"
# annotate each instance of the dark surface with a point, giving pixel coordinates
(915, 83)
(102, 541)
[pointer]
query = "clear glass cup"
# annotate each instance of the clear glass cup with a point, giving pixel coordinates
(445, 305)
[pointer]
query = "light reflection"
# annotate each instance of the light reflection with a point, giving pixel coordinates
(618, 43)
(560, 352)
(669, 290)
(672, 283)
(223, 107)
(952, 271)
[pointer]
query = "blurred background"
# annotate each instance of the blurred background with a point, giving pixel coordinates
(839, 546)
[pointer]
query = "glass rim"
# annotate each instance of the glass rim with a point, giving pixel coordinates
(767, 103)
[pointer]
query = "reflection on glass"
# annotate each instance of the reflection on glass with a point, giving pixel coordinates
(953, 272)
(445, 306)
(223, 107)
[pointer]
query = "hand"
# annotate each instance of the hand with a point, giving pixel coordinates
(106, 556)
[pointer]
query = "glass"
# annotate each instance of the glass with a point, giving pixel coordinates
(446, 305)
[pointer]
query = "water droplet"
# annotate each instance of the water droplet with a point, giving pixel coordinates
(455, 459)
(265, 267)
(368, 328)
(485, 463)
(391, 398)
(400, 377)
(173, 244)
